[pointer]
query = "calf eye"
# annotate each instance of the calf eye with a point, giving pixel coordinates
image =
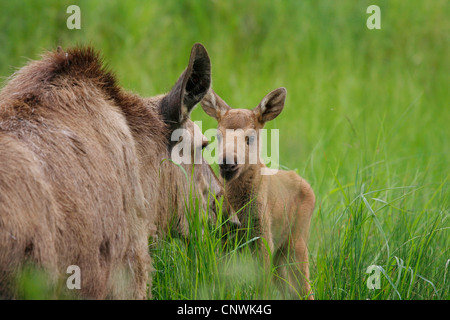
(249, 139)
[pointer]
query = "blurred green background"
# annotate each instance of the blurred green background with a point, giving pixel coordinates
(366, 120)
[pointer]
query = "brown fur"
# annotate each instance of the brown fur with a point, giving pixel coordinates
(81, 178)
(202, 184)
(279, 205)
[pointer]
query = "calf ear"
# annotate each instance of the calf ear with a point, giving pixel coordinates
(213, 105)
(271, 105)
(190, 88)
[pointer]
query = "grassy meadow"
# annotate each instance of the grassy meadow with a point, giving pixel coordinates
(366, 122)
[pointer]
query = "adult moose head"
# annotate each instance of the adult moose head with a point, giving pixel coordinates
(82, 176)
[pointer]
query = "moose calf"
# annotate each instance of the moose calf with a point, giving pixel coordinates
(278, 204)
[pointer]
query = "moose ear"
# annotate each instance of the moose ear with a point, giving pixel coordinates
(213, 105)
(190, 88)
(271, 105)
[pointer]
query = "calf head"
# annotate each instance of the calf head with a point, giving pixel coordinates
(238, 130)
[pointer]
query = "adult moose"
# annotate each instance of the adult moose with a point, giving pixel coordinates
(82, 176)
(276, 205)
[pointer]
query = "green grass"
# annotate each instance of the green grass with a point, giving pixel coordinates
(365, 122)
(210, 263)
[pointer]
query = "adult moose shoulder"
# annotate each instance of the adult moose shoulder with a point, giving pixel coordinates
(82, 177)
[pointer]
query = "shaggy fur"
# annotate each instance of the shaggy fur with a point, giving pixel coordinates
(82, 180)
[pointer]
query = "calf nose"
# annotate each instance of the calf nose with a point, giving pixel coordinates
(228, 165)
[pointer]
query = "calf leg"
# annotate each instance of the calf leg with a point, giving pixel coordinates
(299, 269)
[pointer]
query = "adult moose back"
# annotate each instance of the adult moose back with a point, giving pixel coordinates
(80, 170)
